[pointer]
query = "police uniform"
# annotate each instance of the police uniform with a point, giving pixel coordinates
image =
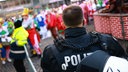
(103, 63)
(19, 39)
(17, 52)
(65, 54)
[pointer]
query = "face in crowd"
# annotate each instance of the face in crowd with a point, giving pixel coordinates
(25, 17)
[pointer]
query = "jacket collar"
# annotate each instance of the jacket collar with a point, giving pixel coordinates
(74, 32)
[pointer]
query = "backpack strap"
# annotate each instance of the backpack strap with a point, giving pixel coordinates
(109, 44)
(100, 39)
(56, 54)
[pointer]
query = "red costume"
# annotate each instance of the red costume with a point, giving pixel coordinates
(29, 25)
(60, 26)
(86, 12)
(51, 24)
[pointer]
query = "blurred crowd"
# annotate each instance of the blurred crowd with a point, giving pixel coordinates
(41, 25)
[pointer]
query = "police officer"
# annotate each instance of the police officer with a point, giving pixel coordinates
(65, 54)
(103, 63)
(17, 52)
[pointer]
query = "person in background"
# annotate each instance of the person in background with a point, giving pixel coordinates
(85, 10)
(51, 23)
(17, 52)
(5, 49)
(10, 26)
(5, 22)
(36, 22)
(3, 54)
(59, 22)
(37, 26)
(41, 22)
(104, 62)
(116, 6)
(28, 24)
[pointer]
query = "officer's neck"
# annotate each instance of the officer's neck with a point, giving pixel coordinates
(80, 25)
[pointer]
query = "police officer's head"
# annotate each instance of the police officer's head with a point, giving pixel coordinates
(73, 16)
(18, 24)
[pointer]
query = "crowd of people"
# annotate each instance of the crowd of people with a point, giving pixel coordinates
(28, 29)
(116, 6)
(71, 41)
(6, 29)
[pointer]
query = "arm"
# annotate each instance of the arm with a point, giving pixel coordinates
(45, 61)
(48, 61)
(118, 49)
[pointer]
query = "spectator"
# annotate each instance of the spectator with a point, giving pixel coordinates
(51, 23)
(5, 48)
(41, 22)
(28, 24)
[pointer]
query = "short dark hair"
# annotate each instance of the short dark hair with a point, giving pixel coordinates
(72, 16)
(18, 24)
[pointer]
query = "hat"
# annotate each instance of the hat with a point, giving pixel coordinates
(25, 11)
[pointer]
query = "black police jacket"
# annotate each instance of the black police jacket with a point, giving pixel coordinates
(65, 54)
(89, 65)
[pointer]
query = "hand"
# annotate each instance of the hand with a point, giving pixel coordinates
(0, 51)
(3, 36)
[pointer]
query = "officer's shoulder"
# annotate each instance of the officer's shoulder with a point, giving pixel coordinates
(49, 47)
(101, 35)
(108, 37)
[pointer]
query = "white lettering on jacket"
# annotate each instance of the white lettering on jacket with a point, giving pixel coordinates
(74, 60)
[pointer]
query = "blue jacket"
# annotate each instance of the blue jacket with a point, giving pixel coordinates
(40, 22)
